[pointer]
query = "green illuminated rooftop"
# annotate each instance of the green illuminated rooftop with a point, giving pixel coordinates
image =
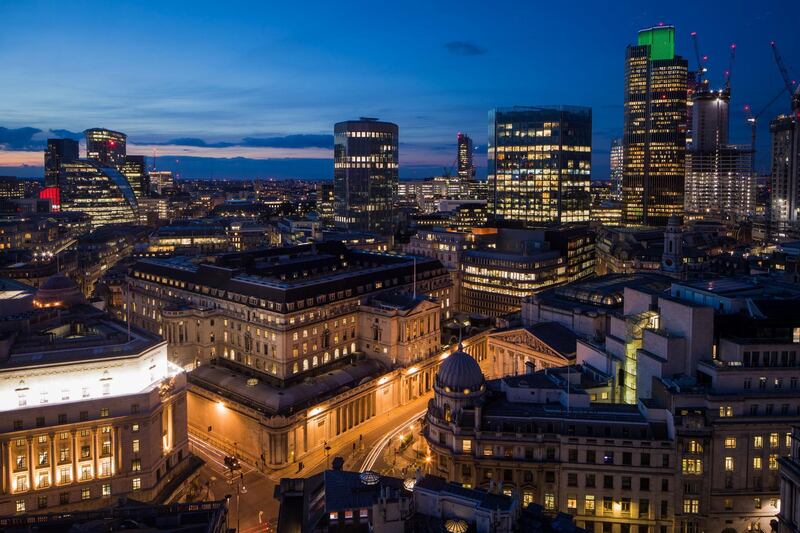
(661, 40)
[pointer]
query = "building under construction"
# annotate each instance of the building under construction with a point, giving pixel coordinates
(785, 131)
(719, 176)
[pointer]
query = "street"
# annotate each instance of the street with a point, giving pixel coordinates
(370, 446)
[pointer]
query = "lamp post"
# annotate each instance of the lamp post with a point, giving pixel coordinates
(327, 454)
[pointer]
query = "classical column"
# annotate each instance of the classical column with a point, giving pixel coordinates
(94, 453)
(52, 458)
(116, 461)
(30, 463)
(74, 456)
(4, 453)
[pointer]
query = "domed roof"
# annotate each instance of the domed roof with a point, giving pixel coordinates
(58, 291)
(460, 372)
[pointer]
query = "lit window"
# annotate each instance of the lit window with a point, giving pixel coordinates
(729, 464)
(691, 505)
(758, 442)
(136, 483)
(757, 463)
(549, 501)
(730, 442)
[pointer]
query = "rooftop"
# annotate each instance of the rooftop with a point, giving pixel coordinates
(227, 380)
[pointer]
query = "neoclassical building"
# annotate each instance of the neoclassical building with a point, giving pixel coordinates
(537, 436)
(91, 410)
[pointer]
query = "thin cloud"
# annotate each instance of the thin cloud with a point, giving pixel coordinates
(464, 48)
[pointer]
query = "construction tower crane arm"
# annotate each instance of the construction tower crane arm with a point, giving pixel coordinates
(729, 72)
(700, 68)
(787, 81)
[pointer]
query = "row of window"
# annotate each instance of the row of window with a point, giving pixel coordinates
(64, 497)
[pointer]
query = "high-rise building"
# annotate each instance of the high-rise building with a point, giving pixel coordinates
(365, 174)
(466, 169)
(325, 201)
(719, 176)
(135, 170)
(785, 131)
(654, 135)
(99, 191)
(58, 151)
(540, 164)
(161, 180)
(106, 146)
(616, 169)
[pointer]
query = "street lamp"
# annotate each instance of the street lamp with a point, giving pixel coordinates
(232, 463)
(327, 453)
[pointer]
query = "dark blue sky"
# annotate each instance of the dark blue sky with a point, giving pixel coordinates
(174, 74)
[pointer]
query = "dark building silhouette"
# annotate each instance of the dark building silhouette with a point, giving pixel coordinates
(58, 151)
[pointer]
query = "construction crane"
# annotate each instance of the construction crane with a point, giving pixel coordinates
(700, 68)
(729, 72)
(752, 119)
(787, 81)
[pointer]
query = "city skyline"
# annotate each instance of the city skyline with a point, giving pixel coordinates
(260, 97)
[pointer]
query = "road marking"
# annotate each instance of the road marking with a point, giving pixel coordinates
(217, 456)
(375, 452)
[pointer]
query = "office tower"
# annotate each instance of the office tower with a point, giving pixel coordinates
(58, 151)
(106, 146)
(785, 131)
(616, 169)
(325, 201)
(466, 170)
(540, 164)
(719, 176)
(99, 191)
(11, 187)
(654, 135)
(365, 174)
(135, 170)
(161, 180)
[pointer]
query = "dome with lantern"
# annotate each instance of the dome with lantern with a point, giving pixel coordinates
(460, 373)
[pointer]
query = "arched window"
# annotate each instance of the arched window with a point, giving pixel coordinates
(294, 368)
(305, 364)
(326, 357)
(447, 415)
(315, 361)
(352, 347)
(336, 353)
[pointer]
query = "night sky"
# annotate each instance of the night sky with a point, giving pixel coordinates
(234, 89)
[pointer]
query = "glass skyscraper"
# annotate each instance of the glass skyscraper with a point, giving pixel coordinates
(540, 164)
(106, 146)
(466, 169)
(654, 131)
(365, 174)
(135, 170)
(101, 192)
(58, 151)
